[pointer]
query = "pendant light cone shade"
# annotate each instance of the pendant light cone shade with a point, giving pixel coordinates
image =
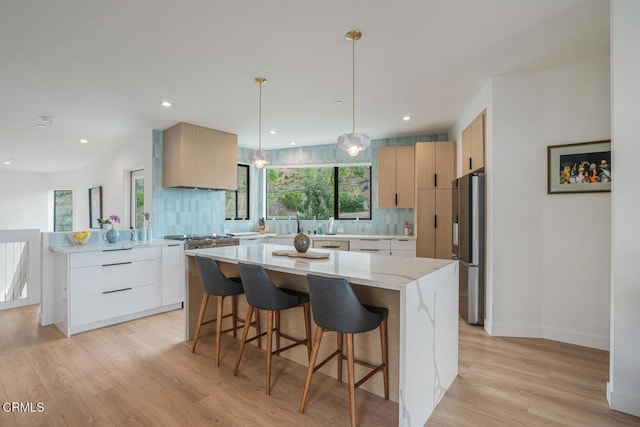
(258, 157)
(353, 143)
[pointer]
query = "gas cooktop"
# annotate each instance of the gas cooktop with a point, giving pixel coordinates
(195, 237)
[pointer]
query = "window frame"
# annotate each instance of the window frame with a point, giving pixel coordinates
(236, 217)
(336, 195)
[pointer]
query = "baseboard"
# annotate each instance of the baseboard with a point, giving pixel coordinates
(571, 337)
(522, 331)
(622, 402)
(561, 335)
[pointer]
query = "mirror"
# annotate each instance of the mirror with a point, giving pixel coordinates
(95, 206)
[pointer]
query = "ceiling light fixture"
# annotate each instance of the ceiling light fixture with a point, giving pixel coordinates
(45, 122)
(353, 143)
(166, 104)
(406, 118)
(84, 141)
(258, 157)
(292, 143)
(273, 132)
(7, 162)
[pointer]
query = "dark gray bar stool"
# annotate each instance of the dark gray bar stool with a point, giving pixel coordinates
(217, 284)
(336, 308)
(263, 294)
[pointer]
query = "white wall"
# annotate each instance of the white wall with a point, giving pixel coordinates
(23, 200)
(25, 195)
(623, 389)
(547, 255)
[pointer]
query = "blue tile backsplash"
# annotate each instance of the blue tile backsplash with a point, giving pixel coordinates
(187, 211)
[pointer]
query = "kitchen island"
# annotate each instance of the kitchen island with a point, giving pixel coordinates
(421, 295)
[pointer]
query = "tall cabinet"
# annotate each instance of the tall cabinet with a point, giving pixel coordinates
(396, 177)
(473, 137)
(435, 170)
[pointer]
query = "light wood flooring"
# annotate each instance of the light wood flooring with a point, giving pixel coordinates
(143, 373)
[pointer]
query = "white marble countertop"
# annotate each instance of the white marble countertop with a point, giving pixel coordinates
(332, 236)
(357, 267)
(98, 247)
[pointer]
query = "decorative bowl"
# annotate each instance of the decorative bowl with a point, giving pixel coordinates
(79, 237)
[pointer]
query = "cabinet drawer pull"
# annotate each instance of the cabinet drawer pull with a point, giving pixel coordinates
(435, 179)
(117, 290)
(116, 263)
(330, 246)
(114, 250)
(369, 250)
(369, 240)
(177, 244)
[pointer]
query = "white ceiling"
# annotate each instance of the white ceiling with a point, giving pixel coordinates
(101, 69)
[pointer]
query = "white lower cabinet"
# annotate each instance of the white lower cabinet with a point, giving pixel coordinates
(403, 247)
(173, 274)
(104, 287)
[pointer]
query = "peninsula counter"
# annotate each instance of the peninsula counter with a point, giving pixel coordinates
(421, 295)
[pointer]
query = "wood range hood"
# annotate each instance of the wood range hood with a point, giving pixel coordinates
(198, 157)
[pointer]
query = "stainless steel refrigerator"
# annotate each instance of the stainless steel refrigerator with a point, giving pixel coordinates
(468, 243)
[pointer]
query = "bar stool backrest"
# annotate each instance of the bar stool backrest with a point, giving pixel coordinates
(261, 292)
(337, 308)
(213, 281)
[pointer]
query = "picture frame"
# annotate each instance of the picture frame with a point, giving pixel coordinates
(583, 167)
(95, 206)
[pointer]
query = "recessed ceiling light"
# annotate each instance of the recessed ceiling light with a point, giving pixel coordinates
(406, 118)
(84, 141)
(7, 162)
(292, 143)
(273, 132)
(166, 104)
(41, 125)
(338, 102)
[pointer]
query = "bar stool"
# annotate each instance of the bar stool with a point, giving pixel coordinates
(336, 308)
(263, 294)
(217, 284)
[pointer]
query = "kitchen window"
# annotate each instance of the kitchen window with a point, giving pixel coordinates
(62, 210)
(237, 202)
(342, 192)
(137, 198)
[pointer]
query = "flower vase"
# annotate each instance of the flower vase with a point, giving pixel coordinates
(112, 235)
(301, 242)
(406, 231)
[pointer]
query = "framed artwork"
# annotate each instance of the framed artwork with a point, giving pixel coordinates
(579, 168)
(95, 206)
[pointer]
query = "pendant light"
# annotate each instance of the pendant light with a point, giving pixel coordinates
(353, 143)
(258, 157)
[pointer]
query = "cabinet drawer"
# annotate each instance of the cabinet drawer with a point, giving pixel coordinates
(111, 256)
(336, 245)
(369, 244)
(403, 244)
(95, 280)
(93, 308)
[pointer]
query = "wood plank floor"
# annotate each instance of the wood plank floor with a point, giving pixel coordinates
(143, 373)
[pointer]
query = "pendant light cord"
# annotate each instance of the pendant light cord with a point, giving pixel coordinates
(353, 83)
(260, 121)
